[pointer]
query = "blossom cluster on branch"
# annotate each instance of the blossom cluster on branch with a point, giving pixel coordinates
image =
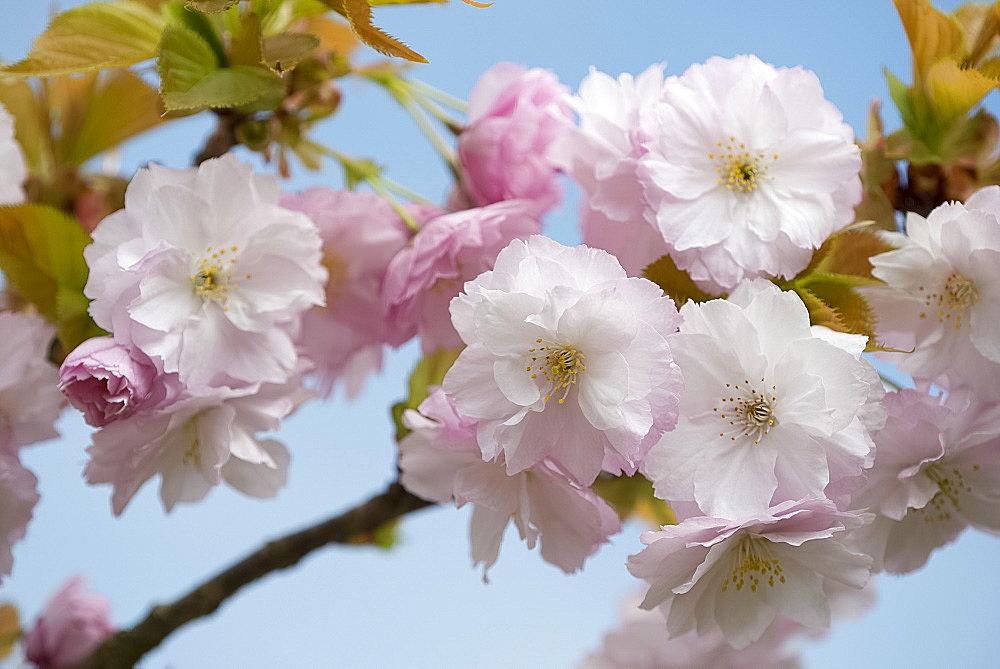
(713, 349)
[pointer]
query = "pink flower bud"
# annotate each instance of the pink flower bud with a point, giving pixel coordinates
(70, 627)
(107, 381)
(515, 115)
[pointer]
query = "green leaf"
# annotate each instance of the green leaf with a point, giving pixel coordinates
(211, 6)
(10, 629)
(878, 176)
(248, 46)
(122, 106)
(900, 94)
(41, 254)
(933, 36)
(93, 37)
(852, 310)
(283, 51)
(847, 252)
(952, 92)
(190, 80)
(199, 23)
(674, 282)
(429, 371)
(633, 496)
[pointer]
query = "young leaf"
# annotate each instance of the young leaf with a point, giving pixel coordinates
(32, 126)
(933, 36)
(93, 37)
(199, 23)
(952, 91)
(359, 14)
(333, 36)
(674, 282)
(429, 371)
(10, 629)
(282, 52)
(211, 6)
(41, 254)
(248, 46)
(633, 496)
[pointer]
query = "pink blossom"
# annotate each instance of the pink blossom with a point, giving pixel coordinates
(616, 118)
(108, 381)
(448, 251)
(736, 576)
(515, 114)
(361, 233)
(566, 359)
(18, 496)
(30, 400)
(441, 461)
(13, 169)
(72, 625)
(937, 470)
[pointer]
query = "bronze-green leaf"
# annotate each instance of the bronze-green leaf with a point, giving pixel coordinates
(211, 6)
(93, 37)
(633, 496)
(359, 14)
(429, 371)
(674, 282)
(41, 254)
(283, 51)
(933, 36)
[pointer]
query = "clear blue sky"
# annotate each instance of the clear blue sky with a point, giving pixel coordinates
(422, 605)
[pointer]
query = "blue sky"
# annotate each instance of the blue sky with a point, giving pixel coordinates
(422, 605)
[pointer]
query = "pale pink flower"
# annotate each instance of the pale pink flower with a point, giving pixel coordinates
(642, 642)
(772, 410)
(515, 114)
(13, 169)
(30, 401)
(197, 442)
(942, 293)
(361, 233)
(448, 251)
(108, 381)
(736, 576)
(72, 625)
(616, 118)
(937, 470)
(206, 274)
(18, 496)
(440, 461)
(751, 169)
(566, 359)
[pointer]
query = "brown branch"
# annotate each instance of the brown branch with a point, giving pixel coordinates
(124, 648)
(222, 138)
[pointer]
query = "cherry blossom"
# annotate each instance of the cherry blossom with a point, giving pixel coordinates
(30, 401)
(617, 117)
(440, 461)
(204, 273)
(772, 410)
(751, 169)
(735, 576)
(13, 169)
(942, 293)
(70, 627)
(566, 359)
(18, 496)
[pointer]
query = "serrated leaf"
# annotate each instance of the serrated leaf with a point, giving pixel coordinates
(674, 282)
(283, 51)
(10, 629)
(333, 36)
(121, 106)
(991, 68)
(277, 16)
(900, 94)
(932, 35)
(243, 87)
(199, 23)
(852, 310)
(211, 6)
(847, 252)
(185, 59)
(429, 371)
(41, 254)
(359, 14)
(633, 496)
(820, 313)
(980, 24)
(93, 37)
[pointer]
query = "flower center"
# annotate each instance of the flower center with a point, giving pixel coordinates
(752, 563)
(952, 300)
(213, 277)
(561, 367)
(749, 412)
(951, 486)
(739, 169)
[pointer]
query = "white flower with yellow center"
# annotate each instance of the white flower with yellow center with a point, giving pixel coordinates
(750, 170)
(772, 409)
(206, 274)
(566, 359)
(942, 293)
(734, 576)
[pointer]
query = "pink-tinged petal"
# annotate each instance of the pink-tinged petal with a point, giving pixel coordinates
(736, 479)
(485, 534)
(258, 479)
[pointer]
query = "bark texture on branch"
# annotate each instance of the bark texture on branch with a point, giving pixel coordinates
(124, 648)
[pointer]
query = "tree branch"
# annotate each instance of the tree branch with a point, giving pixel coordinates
(124, 648)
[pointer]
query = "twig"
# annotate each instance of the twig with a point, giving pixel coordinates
(124, 648)
(222, 138)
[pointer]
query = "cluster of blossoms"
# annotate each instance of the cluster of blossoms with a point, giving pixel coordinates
(794, 476)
